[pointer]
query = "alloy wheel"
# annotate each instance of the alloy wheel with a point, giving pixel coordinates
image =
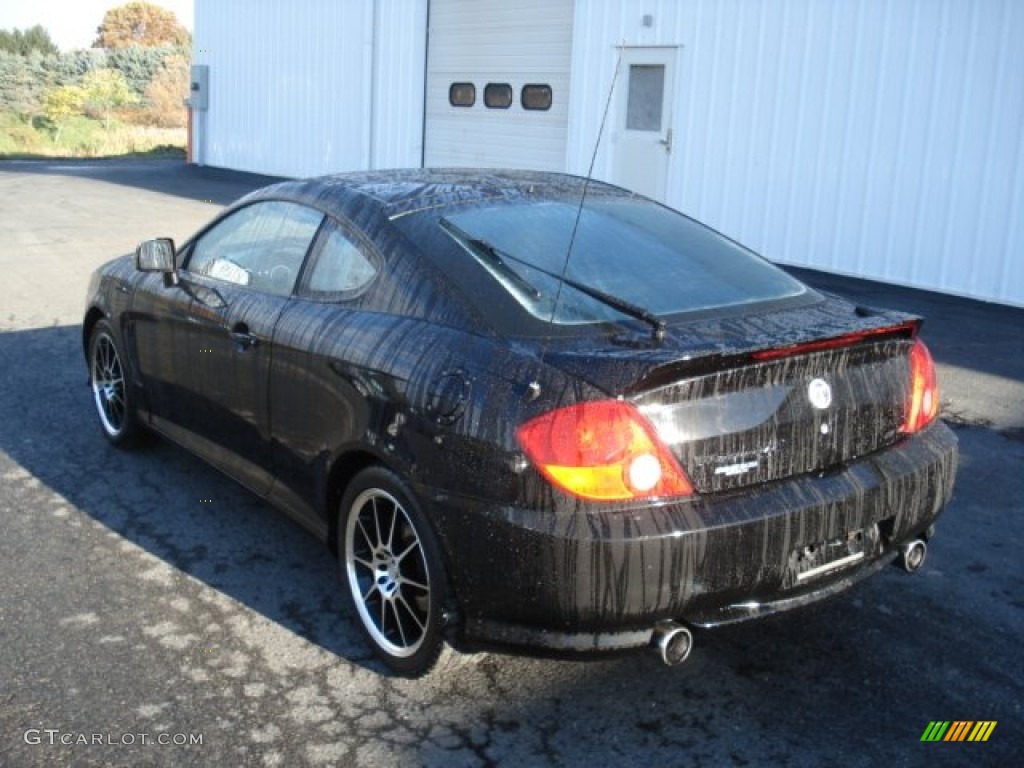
(388, 573)
(108, 385)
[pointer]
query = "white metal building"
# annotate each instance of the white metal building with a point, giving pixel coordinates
(878, 138)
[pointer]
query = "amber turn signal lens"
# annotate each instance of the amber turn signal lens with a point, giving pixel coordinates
(603, 450)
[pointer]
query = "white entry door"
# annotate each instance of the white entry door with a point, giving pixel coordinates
(642, 133)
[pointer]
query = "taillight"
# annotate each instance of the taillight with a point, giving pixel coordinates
(924, 390)
(603, 450)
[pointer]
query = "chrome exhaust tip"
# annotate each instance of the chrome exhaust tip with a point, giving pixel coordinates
(912, 555)
(672, 642)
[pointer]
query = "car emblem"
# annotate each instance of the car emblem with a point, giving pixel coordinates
(819, 393)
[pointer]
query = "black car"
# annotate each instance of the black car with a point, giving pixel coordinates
(528, 409)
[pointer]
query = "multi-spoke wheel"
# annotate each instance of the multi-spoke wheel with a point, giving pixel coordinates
(110, 387)
(391, 564)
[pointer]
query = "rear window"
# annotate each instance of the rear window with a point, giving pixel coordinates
(631, 249)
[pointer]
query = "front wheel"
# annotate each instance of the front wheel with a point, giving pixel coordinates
(110, 390)
(391, 563)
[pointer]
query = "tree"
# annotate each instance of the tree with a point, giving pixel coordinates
(141, 24)
(23, 79)
(139, 65)
(71, 67)
(104, 90)
(23, 43)
(166, 91)
(62, 103)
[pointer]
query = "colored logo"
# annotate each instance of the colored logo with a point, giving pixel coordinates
(958, 730)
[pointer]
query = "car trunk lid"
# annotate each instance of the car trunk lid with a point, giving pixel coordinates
(770, 397)
(774, 416)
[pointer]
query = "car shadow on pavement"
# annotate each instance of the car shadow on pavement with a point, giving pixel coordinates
(878, 662)
(162, 499)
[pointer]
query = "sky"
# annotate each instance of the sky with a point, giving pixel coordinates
(72, 23)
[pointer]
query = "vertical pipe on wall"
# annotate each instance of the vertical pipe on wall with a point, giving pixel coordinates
(426, 62)
(188, 137)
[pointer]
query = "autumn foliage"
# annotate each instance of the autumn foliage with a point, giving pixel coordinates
(141, 24)
(117, 95)
(166, 91)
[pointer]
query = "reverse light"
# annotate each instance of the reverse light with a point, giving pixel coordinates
(923, 397)
(603, 450)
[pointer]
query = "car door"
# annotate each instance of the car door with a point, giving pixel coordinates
(239, 274)
(318, 394)
(157, 330)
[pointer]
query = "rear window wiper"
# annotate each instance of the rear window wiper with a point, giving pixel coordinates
(499, 258)
(494, 256)
(626, 307)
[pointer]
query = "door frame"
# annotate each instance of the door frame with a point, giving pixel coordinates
(632, 147)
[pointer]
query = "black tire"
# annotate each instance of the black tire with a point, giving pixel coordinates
(391, 565)
(111, 393)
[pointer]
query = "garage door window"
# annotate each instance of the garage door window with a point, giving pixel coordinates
(536, 97)
(498, 95)
(462, 94)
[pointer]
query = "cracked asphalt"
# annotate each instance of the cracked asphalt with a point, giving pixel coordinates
(144, 598)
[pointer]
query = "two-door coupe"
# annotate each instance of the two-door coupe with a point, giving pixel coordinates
(528, 409)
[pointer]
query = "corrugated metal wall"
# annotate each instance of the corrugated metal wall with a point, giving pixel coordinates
(881, 138)
(299, 89)
(495, 41)
(399, 70)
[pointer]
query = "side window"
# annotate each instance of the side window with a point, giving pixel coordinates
(261, 246)
(341, 266)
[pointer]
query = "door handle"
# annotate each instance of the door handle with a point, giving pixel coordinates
(667, 141)
(242, 337)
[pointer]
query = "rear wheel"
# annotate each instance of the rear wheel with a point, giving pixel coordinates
(110, 391)
(391, 563)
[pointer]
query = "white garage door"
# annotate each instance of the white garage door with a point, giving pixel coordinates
(498, 83)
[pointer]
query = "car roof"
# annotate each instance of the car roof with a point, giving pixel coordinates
(396, 193)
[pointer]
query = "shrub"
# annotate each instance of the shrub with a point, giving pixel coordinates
(104, 90)
(165, 94)
(23, 81)
(139, 65)
(18, 136)
(61, 104)
(70, 68)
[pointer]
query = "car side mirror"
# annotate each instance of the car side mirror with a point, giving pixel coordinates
(157, 255)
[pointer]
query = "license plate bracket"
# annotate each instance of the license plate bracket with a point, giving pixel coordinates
(813, 561)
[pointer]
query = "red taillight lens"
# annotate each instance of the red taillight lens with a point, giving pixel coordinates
(603, 450)
(924, 390)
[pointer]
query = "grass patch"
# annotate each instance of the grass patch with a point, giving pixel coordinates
(81, 136)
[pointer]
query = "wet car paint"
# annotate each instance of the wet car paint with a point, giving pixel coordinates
(412, 376)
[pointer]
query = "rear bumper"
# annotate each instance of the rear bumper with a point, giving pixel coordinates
(599, 579)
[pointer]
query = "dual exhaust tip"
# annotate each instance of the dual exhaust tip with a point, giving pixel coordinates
(672, 642)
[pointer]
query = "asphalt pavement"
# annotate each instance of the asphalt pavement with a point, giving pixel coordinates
(153, 612)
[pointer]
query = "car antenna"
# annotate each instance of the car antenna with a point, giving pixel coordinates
(534, 389)
(658, 324)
